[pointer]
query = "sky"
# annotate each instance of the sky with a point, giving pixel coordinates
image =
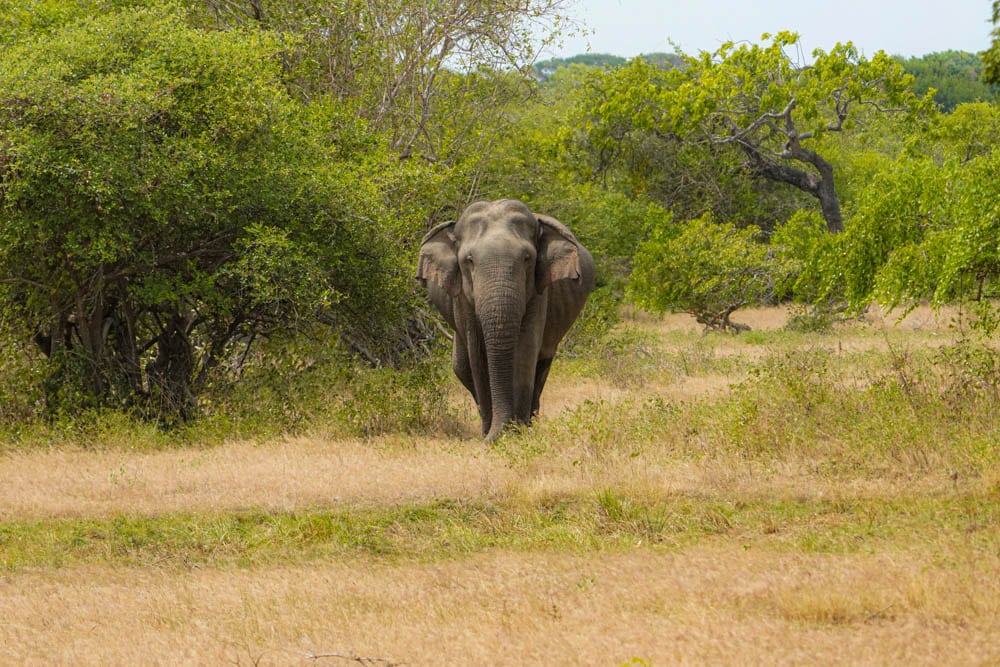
(899, 27)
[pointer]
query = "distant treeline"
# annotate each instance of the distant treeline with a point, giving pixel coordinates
(957, 76)
(546, 68)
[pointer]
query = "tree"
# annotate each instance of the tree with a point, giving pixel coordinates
(164, 199)
(761, 102)
(707, 269)
(685, 177)
(926, 227)
(401, 62)
(945, 246)
(970, 130)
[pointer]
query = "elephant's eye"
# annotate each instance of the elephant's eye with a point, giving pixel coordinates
(468, 260)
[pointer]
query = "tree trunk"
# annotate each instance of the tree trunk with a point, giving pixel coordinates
(170, 373)
(819, 185)
(826, 192)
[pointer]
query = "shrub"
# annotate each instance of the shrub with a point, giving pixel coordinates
(709, 270)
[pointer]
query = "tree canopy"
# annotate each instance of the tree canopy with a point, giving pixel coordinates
(758, 100)
(164, 197)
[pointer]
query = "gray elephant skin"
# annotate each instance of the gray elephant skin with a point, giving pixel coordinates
(510, 282)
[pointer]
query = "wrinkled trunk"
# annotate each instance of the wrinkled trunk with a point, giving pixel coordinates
(500, 317)
(499, 358)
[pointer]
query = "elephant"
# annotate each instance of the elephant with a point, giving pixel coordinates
(510, 283)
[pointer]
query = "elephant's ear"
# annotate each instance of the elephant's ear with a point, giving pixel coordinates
(438, 261)
(558, 253)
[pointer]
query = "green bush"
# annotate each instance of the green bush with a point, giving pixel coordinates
(709, 270)
(412, 400)
(817, 318)
(165, 196)
(21, 395)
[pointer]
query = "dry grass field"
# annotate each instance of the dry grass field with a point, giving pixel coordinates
(774, 498)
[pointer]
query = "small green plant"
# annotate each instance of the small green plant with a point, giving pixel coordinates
(810, 319)
(971, 373)
(626, 355)
(637, 662)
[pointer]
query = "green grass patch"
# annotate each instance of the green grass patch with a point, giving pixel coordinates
(606, 519)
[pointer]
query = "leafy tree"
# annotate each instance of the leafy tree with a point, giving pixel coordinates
(708, 269)
(685, 177)
(895, 209)
(397, 61)
(971, 130)
(925, 228)
(922, 214)
(951, 250)
(164, 199)
(760, 102)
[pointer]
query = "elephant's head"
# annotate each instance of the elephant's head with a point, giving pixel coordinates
(497, 258)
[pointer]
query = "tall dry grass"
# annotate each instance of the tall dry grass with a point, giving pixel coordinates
(707, 605)
(777, 498)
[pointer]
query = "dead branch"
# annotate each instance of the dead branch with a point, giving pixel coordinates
(360, 659)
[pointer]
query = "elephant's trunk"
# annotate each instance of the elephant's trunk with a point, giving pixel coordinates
(500, 317)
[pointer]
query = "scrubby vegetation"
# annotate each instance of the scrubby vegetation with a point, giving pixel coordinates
(217, 373)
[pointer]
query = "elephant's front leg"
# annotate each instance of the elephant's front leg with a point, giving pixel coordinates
(475, 376)
(525, 362)
(460, 364)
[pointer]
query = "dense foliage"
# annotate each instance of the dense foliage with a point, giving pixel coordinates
(760, 103)
(165, 198)
(189, 189)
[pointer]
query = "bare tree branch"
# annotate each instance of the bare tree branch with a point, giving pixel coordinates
(367, 661)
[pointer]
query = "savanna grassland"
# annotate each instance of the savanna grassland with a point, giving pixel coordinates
(229, 433)
(785, 496)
